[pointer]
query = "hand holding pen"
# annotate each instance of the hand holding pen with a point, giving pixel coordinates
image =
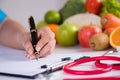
(14, 35)
(42, 41)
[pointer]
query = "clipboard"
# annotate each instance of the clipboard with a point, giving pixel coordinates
(19, 75)
(14, 63)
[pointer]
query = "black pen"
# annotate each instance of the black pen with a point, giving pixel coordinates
(33, 32)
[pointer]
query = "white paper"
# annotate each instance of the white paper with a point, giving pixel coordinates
(14, 62)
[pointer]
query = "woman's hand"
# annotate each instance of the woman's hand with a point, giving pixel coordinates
(45, 46)
(14, 35)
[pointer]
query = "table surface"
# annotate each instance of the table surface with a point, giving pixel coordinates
(69, 50)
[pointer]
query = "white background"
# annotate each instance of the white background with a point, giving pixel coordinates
(20, 10)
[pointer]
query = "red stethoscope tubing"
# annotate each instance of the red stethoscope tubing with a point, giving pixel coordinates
(67, 67)
(97, 78)
(103, 65)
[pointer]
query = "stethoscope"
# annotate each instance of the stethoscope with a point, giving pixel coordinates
(102, 67)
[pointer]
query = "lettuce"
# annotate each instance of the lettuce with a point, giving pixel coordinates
(111, 6)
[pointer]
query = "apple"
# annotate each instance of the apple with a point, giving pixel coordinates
(85, 33)
(41, 24)
(67, 35)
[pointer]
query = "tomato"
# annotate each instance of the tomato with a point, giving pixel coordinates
(93, 6)
(67, 35)
(85, 33)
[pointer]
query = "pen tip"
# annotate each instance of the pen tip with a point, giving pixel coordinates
(37, 56)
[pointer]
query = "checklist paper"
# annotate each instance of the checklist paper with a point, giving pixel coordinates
(13, 62)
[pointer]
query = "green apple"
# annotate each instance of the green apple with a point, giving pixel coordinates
(67, 35)
(41, 24)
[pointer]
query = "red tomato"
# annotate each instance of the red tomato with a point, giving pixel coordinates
(85, 33)
(93, 6)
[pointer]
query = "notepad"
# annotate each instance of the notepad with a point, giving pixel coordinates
(14, 63)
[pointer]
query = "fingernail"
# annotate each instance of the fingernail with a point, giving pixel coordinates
(28, 56)
(32, 57)
(25, 54)
(38, 48)
(30, 51)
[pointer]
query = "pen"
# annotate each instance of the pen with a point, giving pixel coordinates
(59, 66)
(33, 32)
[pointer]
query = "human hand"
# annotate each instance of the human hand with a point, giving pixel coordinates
(45, 46)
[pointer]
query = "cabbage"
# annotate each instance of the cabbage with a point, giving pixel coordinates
(83, 19)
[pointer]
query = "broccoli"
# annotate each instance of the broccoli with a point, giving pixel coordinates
(72, 7)
(111, 6)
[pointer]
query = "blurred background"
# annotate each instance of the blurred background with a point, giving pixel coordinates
(20, 10)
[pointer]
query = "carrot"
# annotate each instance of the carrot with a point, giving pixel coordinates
(108, 31)
(110, 21)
